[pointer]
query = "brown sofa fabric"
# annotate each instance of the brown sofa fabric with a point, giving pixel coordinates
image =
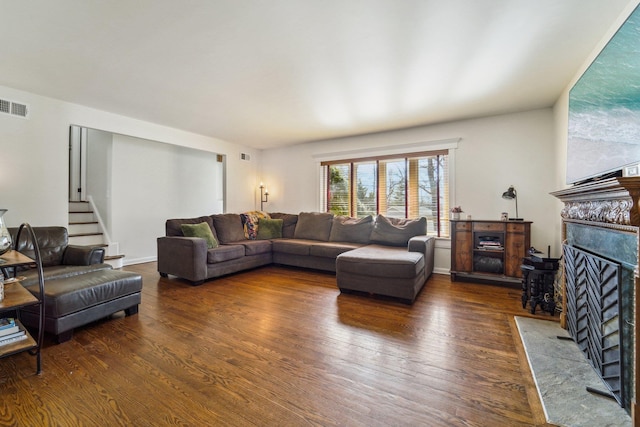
(173, 227)
(224, 253)
(355, 230)
(229, 228)
(397, 232)
(289, 222)
(314, 226)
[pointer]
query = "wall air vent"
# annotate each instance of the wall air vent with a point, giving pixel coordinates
(13, 108)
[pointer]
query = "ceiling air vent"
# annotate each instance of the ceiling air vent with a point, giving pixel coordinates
(13, 108)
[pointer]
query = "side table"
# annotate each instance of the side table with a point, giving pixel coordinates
(538, 277)
(16, 297)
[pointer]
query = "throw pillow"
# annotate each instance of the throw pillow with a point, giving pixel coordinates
(289, 223)
(314, 226)
(250, 223)
(201, 230)
(269, 228)
(397, 232)
(228, 227)
(354, 230)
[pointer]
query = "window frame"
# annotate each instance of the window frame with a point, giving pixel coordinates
(441, 228)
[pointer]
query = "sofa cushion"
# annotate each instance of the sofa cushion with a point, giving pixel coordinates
(355, 230)
(52, 242)
(224, 253)
(72, 294)
(397, 232)
(250, 223)
(381, 261)
(331, 250)
(292, 246)
(201, 230)
(289, 222)
(269, 228)
(256, 247)
(173, 226)
(314, 226)
(228, 227)
(60, 272)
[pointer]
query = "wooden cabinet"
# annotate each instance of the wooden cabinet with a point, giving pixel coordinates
(489, 251)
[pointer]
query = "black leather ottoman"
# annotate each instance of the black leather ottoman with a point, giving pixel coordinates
(77, 300)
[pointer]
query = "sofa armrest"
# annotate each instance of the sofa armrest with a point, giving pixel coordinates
(425, 245)
(82, 255)
(185, 257)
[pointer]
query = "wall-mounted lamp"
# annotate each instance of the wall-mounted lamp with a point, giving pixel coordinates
(264, 196)
(511, 194)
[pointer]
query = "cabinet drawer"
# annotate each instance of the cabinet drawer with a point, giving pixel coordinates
(463, 226)
(488, 226)
(515, 228)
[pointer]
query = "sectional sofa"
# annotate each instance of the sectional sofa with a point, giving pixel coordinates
(385, 256)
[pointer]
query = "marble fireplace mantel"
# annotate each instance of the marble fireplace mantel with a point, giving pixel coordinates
(604, 217)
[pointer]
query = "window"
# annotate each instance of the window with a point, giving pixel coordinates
(405, 186)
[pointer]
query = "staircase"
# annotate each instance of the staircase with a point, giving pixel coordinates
(85, 229)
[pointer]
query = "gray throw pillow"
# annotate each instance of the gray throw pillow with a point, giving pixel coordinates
(228, 227)
(397, 232)
(313, 226)
(353, 230)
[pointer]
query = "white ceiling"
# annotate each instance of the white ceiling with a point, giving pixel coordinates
(276, 72)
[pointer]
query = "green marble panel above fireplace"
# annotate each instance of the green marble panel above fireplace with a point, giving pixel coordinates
(608, 243)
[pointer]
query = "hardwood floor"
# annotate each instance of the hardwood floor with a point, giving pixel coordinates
(281, 346)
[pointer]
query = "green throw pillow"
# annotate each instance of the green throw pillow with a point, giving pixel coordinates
(201, 230)
(269, 228)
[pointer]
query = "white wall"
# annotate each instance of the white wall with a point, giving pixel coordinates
(494, 152)
(34, 157)
(99, 162)
(151, 182)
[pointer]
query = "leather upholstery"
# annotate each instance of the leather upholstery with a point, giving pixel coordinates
(79, 287)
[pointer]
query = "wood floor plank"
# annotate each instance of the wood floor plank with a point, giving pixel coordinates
(281, 346)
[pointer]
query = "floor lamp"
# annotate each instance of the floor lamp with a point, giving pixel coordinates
(264, 196)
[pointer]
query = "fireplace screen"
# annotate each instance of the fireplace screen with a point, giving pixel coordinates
(593, 314)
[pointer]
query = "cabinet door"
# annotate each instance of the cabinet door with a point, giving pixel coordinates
(516, 245)
(463, 254)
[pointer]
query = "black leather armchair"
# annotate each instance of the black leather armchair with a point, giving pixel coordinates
(79, 287)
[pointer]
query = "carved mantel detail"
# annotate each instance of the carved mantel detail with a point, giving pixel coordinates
(608, 211)
(611, 201)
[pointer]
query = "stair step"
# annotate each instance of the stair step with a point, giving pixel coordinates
(83, 228)
(79, 206)
(85, 234)
(81, 216)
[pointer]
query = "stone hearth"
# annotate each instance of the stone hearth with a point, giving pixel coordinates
(562, 375)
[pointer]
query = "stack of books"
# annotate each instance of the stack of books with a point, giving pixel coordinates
(11, 331)
(490, 245)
